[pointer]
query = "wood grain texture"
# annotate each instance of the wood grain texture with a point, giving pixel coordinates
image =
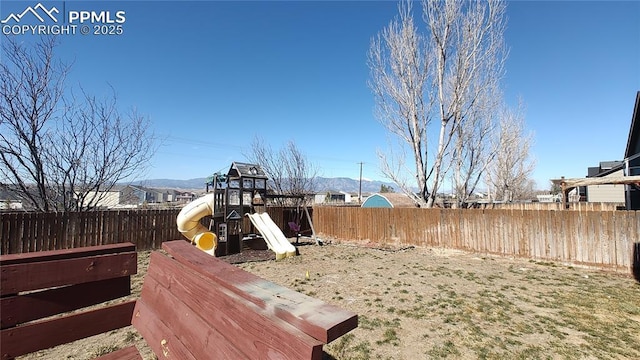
(585, 236)
(19, 309)
(36, 275)
(32, 337)
(211, 322)
(314, 317)
(66, 253)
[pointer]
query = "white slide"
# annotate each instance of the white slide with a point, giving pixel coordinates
(272, 235)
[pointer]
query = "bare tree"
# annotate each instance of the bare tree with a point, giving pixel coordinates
(59, 152)
(399, 64)
(474, 149)
(30, 95)
(468, 42)
(447, 75)
(97, 147)
(289, 170)
(509, 175)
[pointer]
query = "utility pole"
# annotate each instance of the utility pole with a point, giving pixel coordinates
(360, 189)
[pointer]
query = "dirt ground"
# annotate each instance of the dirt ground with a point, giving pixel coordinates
(416, 303)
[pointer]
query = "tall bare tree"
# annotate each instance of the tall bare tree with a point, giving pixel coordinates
(468, 42)
(400, 65)
(509, 174)
(289, 170)
(58, 152)
(474, 148)
(446, 77)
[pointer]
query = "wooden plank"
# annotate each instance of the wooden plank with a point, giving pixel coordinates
(161, 339)
(553, 238)
(316, 318)
(40, 275)
(18, 309)
(66, 253)
(15, 234)
(24, 233)
(628, 253)
(107, 227)
(4, 233)
(32, 337)
(521, 240)
(635, 261)
(139, 228)
(621, 239)
(128, 353)
(62, 235)
(46, 231)
(224, 325)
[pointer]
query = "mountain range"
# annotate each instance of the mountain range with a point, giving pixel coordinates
(322, 184)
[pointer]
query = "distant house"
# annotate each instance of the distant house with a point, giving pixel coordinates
(134, 196)
(624, 175)
(108, 199)
(632, 158)
(388, 200)
(607, 193)
(333, 197)
(182, 197)
(548, 198)
(9, 201)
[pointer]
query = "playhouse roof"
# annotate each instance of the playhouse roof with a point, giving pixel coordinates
(388, 200)
(239, 169)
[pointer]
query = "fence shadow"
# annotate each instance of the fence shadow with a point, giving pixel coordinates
(636, 261)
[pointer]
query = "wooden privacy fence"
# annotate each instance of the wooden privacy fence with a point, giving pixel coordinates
(580, 206)
(22, 232)
(597, 238)
(602, 239)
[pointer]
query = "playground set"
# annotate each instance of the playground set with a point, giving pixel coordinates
(230, 197)
(82, 292)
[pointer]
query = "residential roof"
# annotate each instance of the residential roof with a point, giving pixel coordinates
(605, 168)
(6, 193)
(633, 143)
(608, 165)
(389, 200)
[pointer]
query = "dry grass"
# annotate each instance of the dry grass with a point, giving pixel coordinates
(433, 304)
(424, 304)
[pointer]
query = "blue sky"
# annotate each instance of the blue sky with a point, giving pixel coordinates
(211, 75)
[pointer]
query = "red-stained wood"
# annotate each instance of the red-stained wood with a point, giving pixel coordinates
(314, 317)
(41, 284)
(66, 254)
(26, 307)
(178, 334)
(223, 324)
(128, 353)
(19, 277)
(186, 310)
(32, 337)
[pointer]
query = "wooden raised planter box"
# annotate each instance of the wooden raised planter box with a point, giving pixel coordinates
(192, 306)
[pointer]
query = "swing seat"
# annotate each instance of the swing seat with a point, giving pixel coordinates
(294, 227)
